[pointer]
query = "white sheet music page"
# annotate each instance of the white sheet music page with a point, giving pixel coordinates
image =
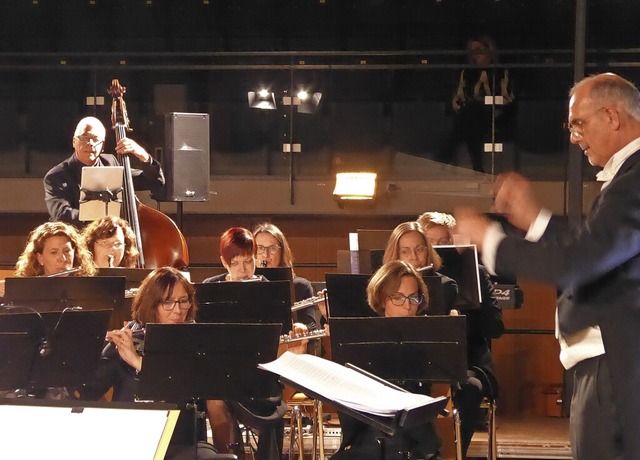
(344, 385)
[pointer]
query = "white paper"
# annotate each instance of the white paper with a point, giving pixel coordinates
(343, 385)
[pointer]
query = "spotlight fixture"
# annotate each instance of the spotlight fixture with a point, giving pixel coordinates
(308, 102)
(355, 187)
(263, 99)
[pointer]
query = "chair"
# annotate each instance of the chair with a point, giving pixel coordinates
(489, 404)
(298, 404)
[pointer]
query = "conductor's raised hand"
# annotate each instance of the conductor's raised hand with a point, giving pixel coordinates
(514, 199)
(472, 224)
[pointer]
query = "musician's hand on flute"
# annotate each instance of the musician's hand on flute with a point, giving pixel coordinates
(123, 340)
(299, 348)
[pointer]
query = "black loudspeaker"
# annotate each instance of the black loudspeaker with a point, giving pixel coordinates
(186, 157)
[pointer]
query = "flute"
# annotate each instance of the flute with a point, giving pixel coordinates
(311, 335)
(304, 303)
(425, 268)
(65, 272)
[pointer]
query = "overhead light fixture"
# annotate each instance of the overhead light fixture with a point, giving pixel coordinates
(263, 99)
(355, 187)
(308, 102)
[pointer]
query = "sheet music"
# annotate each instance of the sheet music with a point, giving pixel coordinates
(344, 385)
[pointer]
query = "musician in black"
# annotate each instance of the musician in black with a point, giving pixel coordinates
(273, 250)
(165, 297)
(395, 290)
(238, 255)
(408, 242)
(483, 324)
(62, 182)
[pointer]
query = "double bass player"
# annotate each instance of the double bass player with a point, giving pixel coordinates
(62, 182)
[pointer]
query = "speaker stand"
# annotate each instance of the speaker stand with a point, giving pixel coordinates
(179, 216)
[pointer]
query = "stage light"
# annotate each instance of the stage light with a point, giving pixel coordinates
(355, 187)
(263, 99)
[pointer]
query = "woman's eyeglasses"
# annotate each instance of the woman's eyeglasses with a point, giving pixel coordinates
(272, 250)
(170, 304)
(399, 299)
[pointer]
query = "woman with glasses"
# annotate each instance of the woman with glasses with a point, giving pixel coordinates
(409, 242)
(395, 290)
(112, 242)
(273, 250)
(165, 297)
(62, 182)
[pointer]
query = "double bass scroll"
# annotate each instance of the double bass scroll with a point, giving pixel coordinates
(160, 241)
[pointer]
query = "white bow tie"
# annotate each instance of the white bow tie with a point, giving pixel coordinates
(604, 176)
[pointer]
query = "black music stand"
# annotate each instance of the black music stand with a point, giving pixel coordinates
(408, 351)
(347, 295)
(17, 351)
(245, 302)
(190, 362)
(60, 349)
(45, 294)
(133, 276)
(460, 262)
(278, 274)
(421, 348)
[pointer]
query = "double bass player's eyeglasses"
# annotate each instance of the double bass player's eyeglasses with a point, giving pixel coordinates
(88, 140)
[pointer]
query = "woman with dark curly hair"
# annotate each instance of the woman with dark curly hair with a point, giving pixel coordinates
(112, 242)
(54, 247)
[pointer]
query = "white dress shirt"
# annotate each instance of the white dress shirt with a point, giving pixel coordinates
(586, 343)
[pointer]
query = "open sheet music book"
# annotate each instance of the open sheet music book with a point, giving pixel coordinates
(345, 386)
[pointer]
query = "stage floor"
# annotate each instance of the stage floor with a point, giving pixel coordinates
(530, 438)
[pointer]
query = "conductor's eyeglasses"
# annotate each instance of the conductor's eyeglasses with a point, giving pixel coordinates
(89, 140)
(576, 127)
(272, 250)
(399, 299)
(169, 304)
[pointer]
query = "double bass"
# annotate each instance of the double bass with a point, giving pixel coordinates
(159, 240)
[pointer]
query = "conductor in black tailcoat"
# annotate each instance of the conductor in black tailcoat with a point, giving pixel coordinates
(596, 264)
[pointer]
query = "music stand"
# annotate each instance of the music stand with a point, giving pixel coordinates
(460, 262)
(133, 276)
(245, 302)
(188, 362)
(45, 294)
(60, 349)
(324, 378)
(421, 348)
(207, 361)
(347, 295)
(278, 274)
(17, 351)
(100, 192)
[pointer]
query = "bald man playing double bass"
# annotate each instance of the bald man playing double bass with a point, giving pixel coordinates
(62, 182)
